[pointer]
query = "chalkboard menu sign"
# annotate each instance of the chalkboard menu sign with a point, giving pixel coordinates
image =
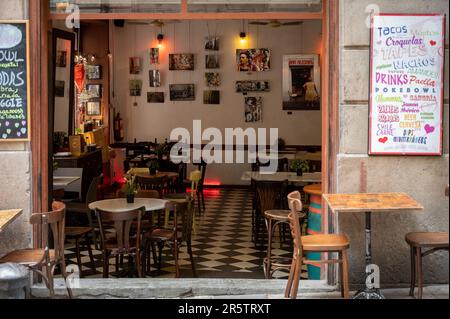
(14, 97)
(406, 84)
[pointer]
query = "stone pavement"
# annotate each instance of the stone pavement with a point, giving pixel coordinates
(207, 288)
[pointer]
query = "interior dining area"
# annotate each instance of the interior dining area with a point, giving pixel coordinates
(122, 89)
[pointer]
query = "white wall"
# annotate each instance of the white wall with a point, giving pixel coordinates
(149, 121)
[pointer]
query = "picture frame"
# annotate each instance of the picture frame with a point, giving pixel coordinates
(155, 97)
(93, 108)
(181, 62)
(95, 90)
(135, 65)
(211, 97)
(212, 61)
(253, 60)
(154, 78)
(59, 88)
(212, 79)
(301, 82)
(154, 55)
(212, 43)
(135, 87)
(61, 59)
(94, 72)
(182, 92)
(252, 86)
(253, 109)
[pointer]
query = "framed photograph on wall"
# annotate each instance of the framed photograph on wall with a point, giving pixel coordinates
(135, 87)
(93, 72)
(95, 90)
(211, 97)
(212, 61)
(252, 86)
(181, 62)
(93, 108)
(155, 78)
(253, 60)
(212, 43)
(155, 97)
(59, 88)
(301, 82)
(253, 109)
(212, 79)
(154, 55)
(406, 95)
(182, 92)
(135, 65)
(61, 59)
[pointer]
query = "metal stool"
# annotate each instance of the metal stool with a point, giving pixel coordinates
(276, 217)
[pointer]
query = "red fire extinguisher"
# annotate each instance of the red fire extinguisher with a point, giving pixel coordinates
(118, 128)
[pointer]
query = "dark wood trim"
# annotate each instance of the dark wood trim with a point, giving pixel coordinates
(39, 71)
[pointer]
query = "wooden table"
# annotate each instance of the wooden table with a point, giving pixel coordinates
(368, 203)
(59, 181)
(8, 216)
(281, 176)
(120, 204)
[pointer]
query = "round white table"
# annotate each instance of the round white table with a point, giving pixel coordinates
(120, 204)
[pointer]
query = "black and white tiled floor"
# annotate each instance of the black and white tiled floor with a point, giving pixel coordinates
(222, 243)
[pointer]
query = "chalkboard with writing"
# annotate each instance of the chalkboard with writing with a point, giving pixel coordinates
(14, 98)
(406, 84)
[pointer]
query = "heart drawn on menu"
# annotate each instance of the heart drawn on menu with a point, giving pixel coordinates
(7, 123)
(433, 43)
(8, 131)
(23, 130)
(19, 134)
(17, 125)
(383, 140)
(24, 122)
(4, 136)
(429, 129)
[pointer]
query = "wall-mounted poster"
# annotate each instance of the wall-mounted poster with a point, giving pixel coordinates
(135, 87)
(182, 92)
(211, 97)
(155, 78)
(181, 62)
(135, 65)
(155, 97)
(406, 84)
(95, 90)
(212, 43)
(154, 55)
(249, 60)
(59, 88)
(212, 61)
(14, 79)
(93, 108)
(301, 82)
(61, 59)
(253, 109)
(252, 86)
(212, 79)
(93, 72)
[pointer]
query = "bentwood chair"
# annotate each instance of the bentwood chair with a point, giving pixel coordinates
(123, 242)
(180, 231)
(433, 242)
(36, 259)
(330, 243)
(152, 183)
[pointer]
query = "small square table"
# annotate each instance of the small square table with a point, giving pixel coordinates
(368, 203)
(8, 216)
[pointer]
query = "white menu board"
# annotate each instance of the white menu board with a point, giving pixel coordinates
(406, 84)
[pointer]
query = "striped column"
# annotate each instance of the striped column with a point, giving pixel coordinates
(314, 225)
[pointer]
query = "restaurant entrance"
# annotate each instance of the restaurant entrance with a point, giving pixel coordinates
(122, 78)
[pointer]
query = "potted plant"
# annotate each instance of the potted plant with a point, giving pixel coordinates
(130, 188)
(152, 166)
(299, 166)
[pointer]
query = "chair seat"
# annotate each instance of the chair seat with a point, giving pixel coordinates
(325, 242)
(162, 234)
(26, 256)
(427, 239)
(77, 231)
(280, 214)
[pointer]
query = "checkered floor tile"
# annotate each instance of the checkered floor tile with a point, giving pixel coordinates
(222, 244)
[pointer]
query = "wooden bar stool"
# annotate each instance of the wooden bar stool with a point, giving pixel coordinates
(433, 241)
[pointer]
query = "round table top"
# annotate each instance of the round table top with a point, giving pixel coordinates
(120, 204)
(314, 189)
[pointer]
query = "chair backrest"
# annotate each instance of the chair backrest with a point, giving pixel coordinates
(55, 220)
(92, 193)
(121, 222)
(270, 194)
(295, 201)
(155, 183)
(195, 177)
(186, 210)
(202, 167)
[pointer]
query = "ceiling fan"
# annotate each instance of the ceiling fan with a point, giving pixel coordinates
(276, 23)
(153, 23)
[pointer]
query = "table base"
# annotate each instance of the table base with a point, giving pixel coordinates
(367, 293)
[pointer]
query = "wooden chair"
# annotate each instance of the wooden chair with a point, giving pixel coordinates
(314, 243)
(432, 241)
(269, 195)
(152, 183)
(179, 232)
(35, 259)
(79, 232)
(122, 243)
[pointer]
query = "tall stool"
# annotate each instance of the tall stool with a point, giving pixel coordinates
(274, 218)
(417, 240)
